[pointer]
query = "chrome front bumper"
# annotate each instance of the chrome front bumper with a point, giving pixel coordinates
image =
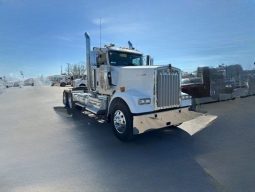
(143, 123)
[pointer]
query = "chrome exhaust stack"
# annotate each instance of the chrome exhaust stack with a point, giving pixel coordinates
(88, 66)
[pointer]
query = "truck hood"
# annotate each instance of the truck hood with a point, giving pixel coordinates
(138, 78)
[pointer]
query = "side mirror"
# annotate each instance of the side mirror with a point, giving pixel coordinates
(101, 59)
(98, 60)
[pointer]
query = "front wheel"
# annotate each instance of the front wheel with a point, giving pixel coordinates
(122, 121)
(65, 99)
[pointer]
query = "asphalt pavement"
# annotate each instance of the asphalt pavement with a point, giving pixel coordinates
(44, 148)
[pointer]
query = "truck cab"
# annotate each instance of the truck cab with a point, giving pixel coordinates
(133, 96)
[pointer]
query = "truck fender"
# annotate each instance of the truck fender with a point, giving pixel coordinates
(131, 98)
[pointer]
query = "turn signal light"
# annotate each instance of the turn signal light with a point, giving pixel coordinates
(122, 89)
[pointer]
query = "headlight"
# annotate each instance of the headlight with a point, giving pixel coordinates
(144, 101)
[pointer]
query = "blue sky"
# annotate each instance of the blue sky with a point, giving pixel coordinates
(38, 36)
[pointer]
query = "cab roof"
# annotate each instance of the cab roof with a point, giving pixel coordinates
(121, 49)
(124, 49)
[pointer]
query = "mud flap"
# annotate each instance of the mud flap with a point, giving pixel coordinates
(198, 124)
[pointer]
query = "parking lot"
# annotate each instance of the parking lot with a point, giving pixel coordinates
(43, 148)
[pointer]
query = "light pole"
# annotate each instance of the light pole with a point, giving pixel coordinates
(68, 68)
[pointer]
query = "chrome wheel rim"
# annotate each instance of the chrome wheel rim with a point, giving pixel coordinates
(119, 121)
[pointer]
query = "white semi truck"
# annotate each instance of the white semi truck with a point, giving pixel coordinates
(133, 96)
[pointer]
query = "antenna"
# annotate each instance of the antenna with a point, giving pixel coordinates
(100, 23)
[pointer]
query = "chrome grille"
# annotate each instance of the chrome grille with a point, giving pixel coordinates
(168, 88)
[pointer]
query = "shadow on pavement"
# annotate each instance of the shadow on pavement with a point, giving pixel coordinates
(62, 111)
(159, 160)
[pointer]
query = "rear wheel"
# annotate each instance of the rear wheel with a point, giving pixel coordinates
(70, 101)
(62, 84)
(122, 121)
(65, 99)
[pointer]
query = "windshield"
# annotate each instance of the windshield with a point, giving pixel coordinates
(118, 58)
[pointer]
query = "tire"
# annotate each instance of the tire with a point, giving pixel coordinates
(65, 99)
(62, 84)
(70, 102)
(122, 121)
